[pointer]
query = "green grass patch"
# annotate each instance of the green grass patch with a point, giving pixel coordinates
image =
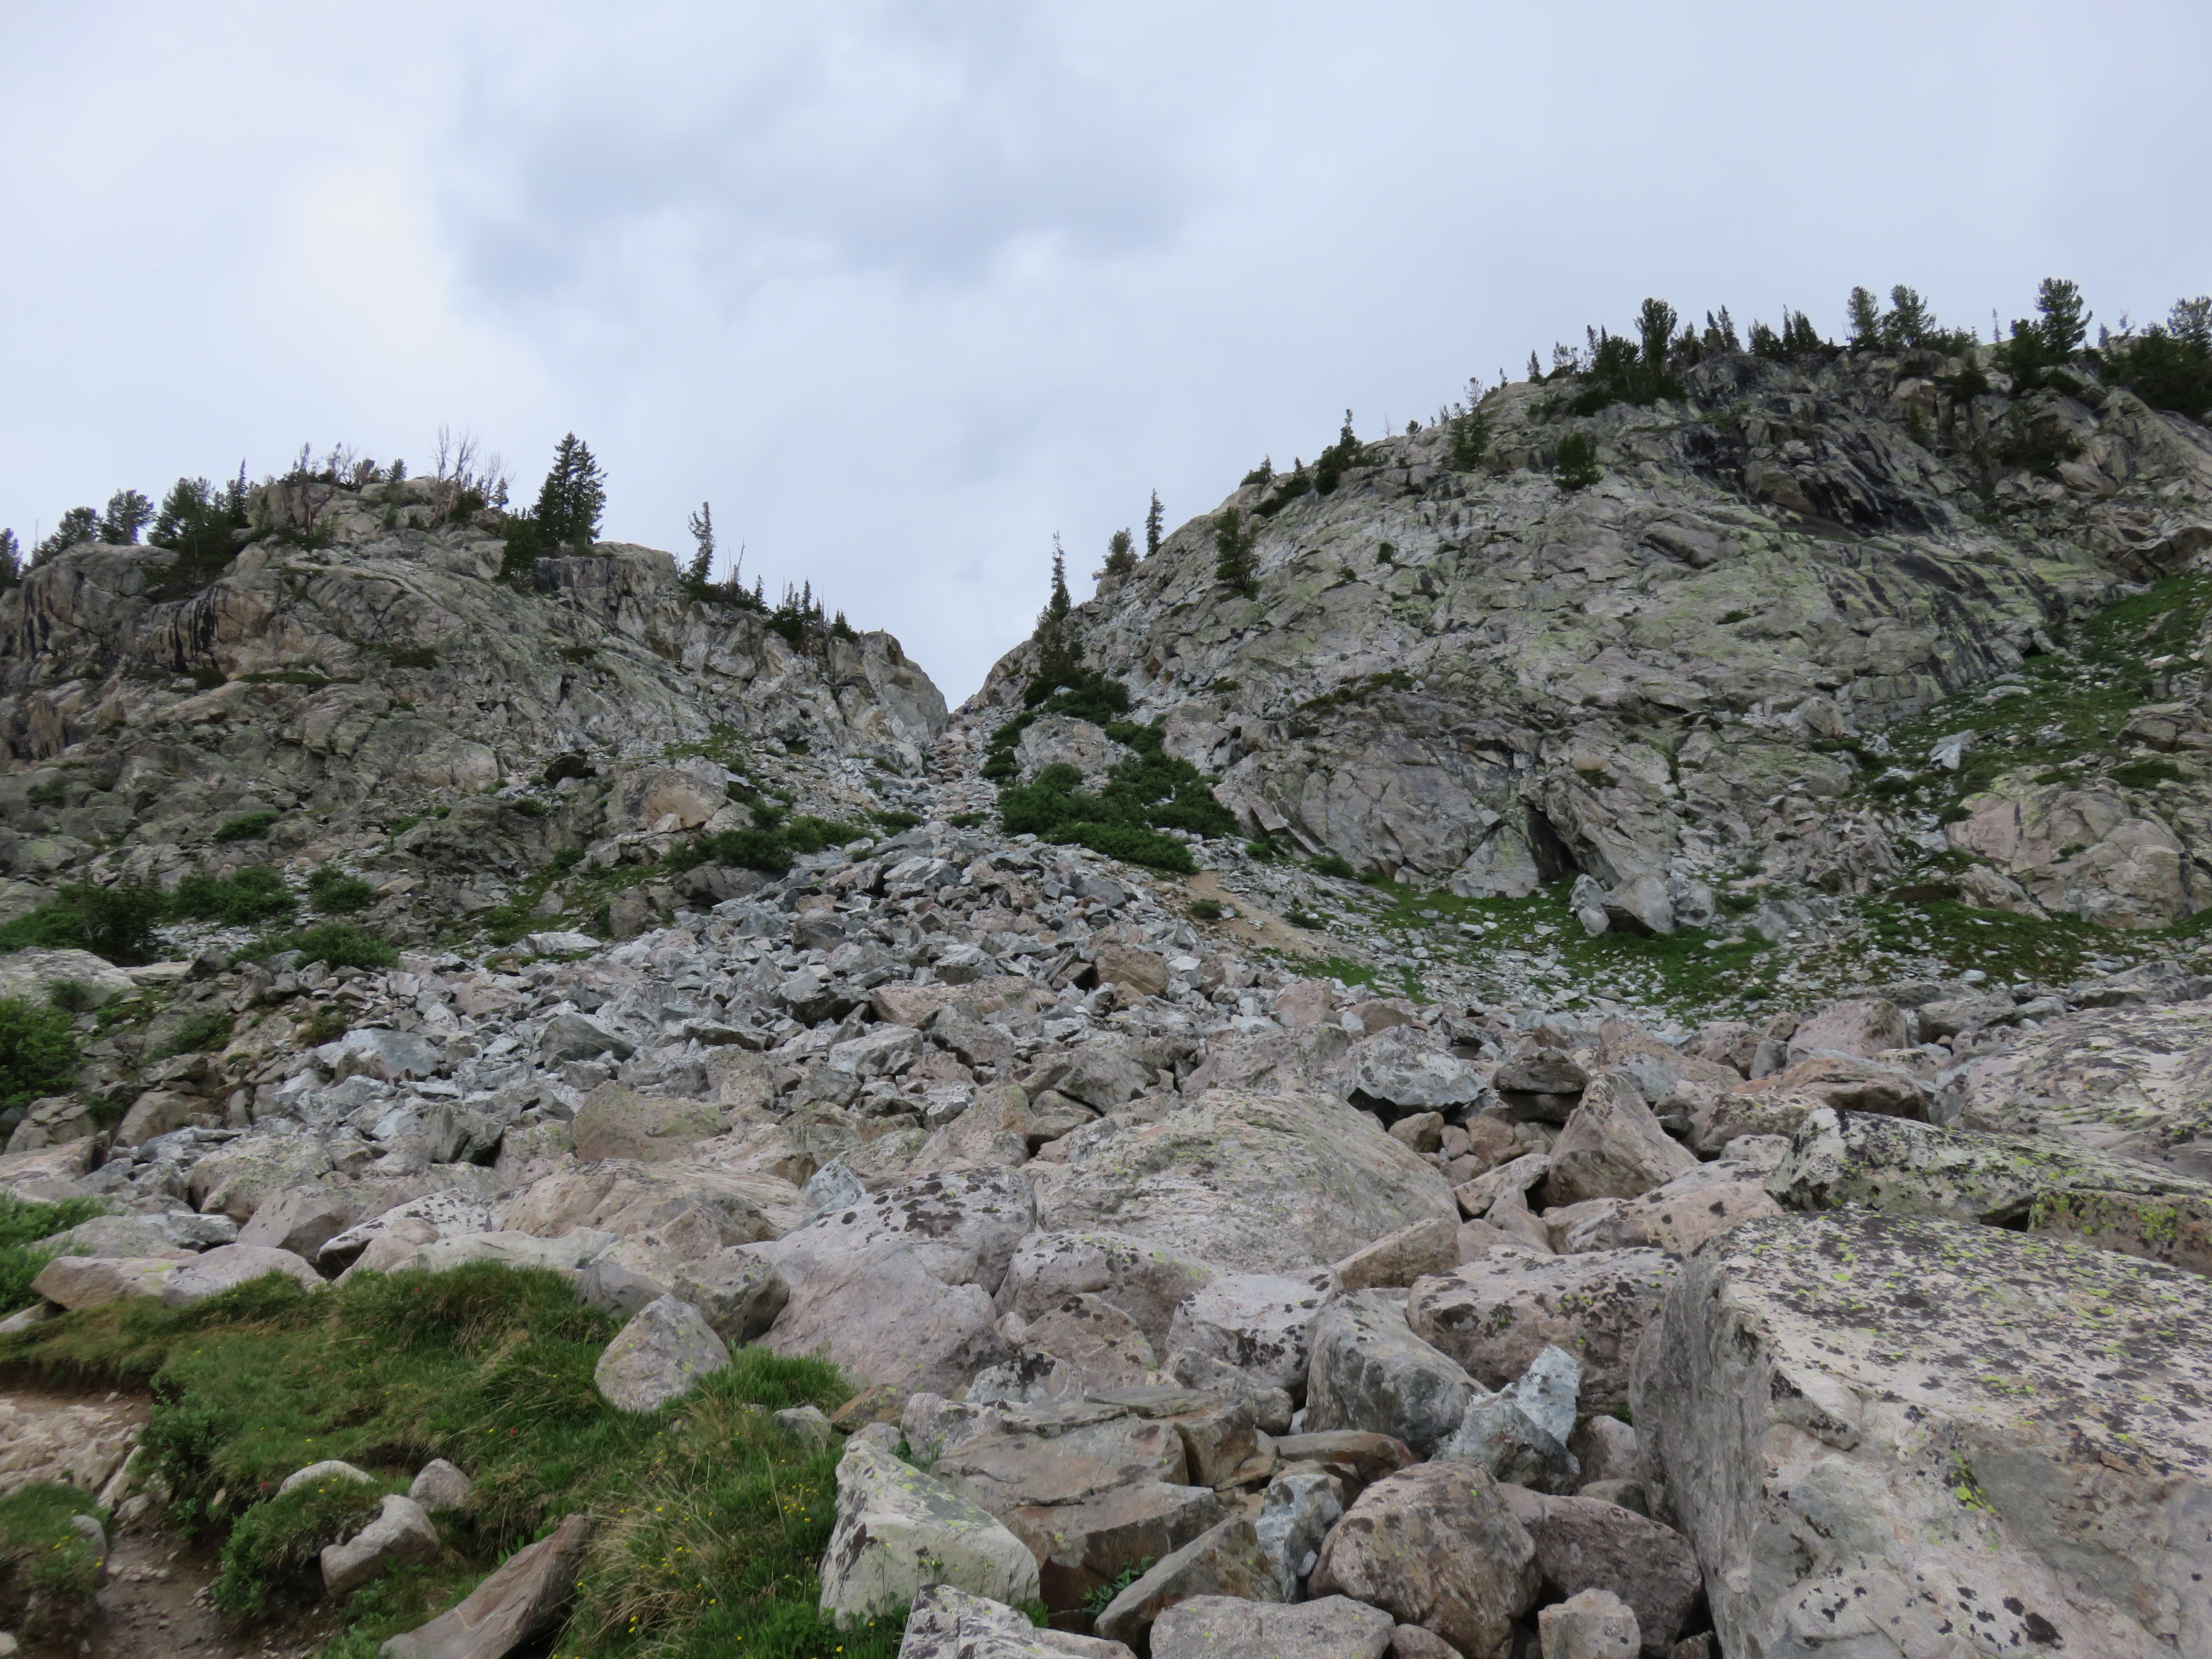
(22, 1258)
(2148, 774)
(39, 1052)
(251, 826)
(116, 922)
(710, 1519)
(254, 894)
(44, 1559)
(198, 1035)
(340, 944)
(335, 893)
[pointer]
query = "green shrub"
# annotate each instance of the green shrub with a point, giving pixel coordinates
(38, 1052)
(335, 893)
(198, 1035)
(409, 656)
(2040, 449)
(21, 1256)
(1206, 909)
(1264, 850)
(897, 820)
(71, 996)
(274, 1544)
(256, 893)
(999, 765)
(340, 944)
(567, 858)
(1329, 864)
(1577, 467)
(1143, 794)
(116, 922)
(969, 820)
(2143, 774)
(37, 1541)
(250, 826)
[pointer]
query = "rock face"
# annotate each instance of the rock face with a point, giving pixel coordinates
(1466, 677)
(898, 1531)
(1880, 1430)
(1256, 1183)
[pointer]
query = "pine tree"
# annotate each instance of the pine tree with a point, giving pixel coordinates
(1866, 320)
(11, 559)
(128, 512)
(1655, 324)
(1577, 467)
(573, 497)
(1234, 539)
(1535, 369)
(78, 525)
(2064, 325)
(1909, 322)
(1059, 658)
(699, 575)
(1154, 522)
(1121, 556)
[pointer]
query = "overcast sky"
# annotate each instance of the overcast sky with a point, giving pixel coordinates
(905, 289)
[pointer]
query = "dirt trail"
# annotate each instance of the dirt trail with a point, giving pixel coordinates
(155, 1601)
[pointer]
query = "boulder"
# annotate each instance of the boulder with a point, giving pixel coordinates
(1226, 1627)
(32, 975)
(301, 1221)
(1592, 1624)
(1223, 1560)
(615, 1122)
(1436, 1545)
(1089, 1487)
(114, 1235)
(945, 1623)
(659, 1356)
(331, 1468)
(572, 1035)
(1141, 971)
(520, 1602)
(229, 1266)
(238, 1178)
(1309, 1058)
(455, 1210)
(400, 1535)
(1406, 1069)
(388, 1056)
(439, 1485)
(1412, 1642)
(1613, 1146)
(1299, 1507)
(1256, 1323)
(1682, 1214)
(567, 1255)
(1400, 1258)
(898, 1530)
(1520, 1433)
(964, 1225)
(1863, 1026)
(1100, 1344)
(1101, 1075)
(1880, 1430)
(884, 1318)
(1144, 1280)
(622, 1197)
(1583, 1544)
(737, 1293)
(1369, 1372)
(1253, 1182)
(1495, 1316)
(2126, 1082)
(1851, 1159)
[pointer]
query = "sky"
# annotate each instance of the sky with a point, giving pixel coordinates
(906, 289)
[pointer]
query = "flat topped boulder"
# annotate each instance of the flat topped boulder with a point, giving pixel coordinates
(1256, 1183)
(1878, 1431)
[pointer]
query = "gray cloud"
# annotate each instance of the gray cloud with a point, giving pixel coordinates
(905, 289)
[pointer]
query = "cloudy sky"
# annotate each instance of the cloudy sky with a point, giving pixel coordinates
(905, 289)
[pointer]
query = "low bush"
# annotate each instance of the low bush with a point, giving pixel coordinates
(1329, 864)
(21, 1256)
(198, 1035)
(2143, 774)
(115, 922)
(340, 944)
(1206, 909)
(276, 1544)
(71, 996)
(1144, 794)
(335, 893)
(52, 1570)
(256, 893)
(250, 826)
(38, 1052)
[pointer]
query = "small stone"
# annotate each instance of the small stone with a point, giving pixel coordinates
(1593, 1624)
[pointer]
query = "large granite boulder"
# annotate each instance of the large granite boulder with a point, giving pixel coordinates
(1495, 1316)
(898, 1530)
(886, 1318)
(1253, 1182)
(1144, 1280)
(1879, 1430)
(1368, 1370)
